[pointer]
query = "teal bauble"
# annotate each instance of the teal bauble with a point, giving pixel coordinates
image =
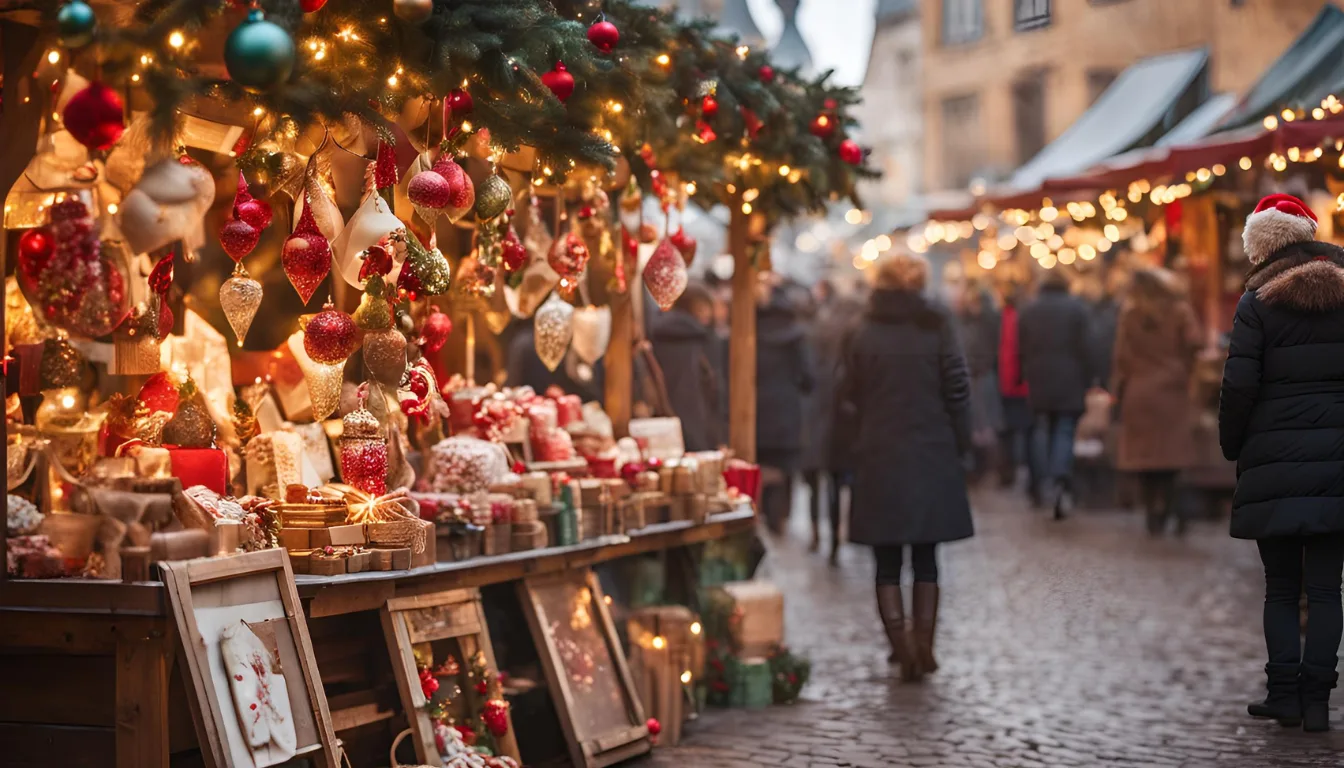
(259, 54)
(75, 23)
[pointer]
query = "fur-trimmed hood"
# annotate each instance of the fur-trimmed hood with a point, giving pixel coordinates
(1307, 277)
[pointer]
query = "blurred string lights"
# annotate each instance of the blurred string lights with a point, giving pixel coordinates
(1083, 229)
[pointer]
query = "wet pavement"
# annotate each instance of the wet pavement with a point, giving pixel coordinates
(1080, 643)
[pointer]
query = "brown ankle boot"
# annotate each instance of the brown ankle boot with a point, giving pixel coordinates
(925, 604)
(892, 611)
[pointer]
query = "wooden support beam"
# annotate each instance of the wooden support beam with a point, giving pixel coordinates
(742, 341)
(619, 360)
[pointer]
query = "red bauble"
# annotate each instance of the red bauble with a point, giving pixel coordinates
(482, 687)
(685, 244)
(409, 285)
(238, 238)
(159, 393)
(829, 104)
(559, 81)
(823, 126)
(312, 6)
(460, 102)
(255, 212)
(604, 35)
(654, 726)
(306, 256)
(95, 116)
(435, 332)
(753, 123)
(331, 336)
(665, 275)
(767, 73)
(512, 252)
(709, 107)
(35, 250)
(429, 190)
(851, 152)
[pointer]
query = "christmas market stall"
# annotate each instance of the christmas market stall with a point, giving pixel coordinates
(271, 492)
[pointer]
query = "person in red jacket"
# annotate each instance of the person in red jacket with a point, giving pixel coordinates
(1015, 435)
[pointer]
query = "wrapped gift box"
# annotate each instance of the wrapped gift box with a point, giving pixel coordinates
(759, 606)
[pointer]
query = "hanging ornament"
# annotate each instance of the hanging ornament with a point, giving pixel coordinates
(430, 269)
(829, 105)
(753, 123)
(685, 244)
(62, 365)
(430, 193)
(35, 251)
(766, 73)
(191, 426)
(385, 173)
(604, 35)
(363, 451)
(568, 257)
(592, 332)
(240, 298)
(75, 23)
(823, 126)
(160, 280)
(459, 102)
(375, 311)
(95, 116)
(324, 380)
(434, 333)
(385, 355)
(709, 106)
(330, 336)
(311, 6)
(493, 198)
(413, 11)
(238, 238)
(259, 54)
(665, 274)
(248, 208)
(306, 256)
(552, 330)
(851, 152)
(512, 253)
(463, 195)
(559, 81)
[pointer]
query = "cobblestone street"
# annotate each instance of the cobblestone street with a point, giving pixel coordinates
(1080, 643)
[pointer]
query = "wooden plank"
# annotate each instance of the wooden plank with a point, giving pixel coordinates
(556, 681)
(73, 633)
(742, 341)
(289, 596)
(446, 597)
(618, 363)
(44, 746)
(359, 708)
(47, 681)
(438, 622)
(142, 703)
(84, 596)
(408, 685)
(335, 600)
(206, 570)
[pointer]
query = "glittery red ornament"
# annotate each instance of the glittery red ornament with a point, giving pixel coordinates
(462, 193)
(559, 81)
(823, 126)
(495, 715)
(250, 209)
(377, 260)
(685, 244)
(330, 336)
(665, 275)
(384, 167)
(311, 6)
(709, 106)
(851, 152)
(604, 35)
(409, 285)
(363, 450)
(238, 238)
(35, 250)
(460, 102)
(434, 333)
(430, 193)
(306, 256)
(159, 393)
(766, 73)
(95, 116)
(704, 132)
(512, 252)
(161, 276)
(568, 256)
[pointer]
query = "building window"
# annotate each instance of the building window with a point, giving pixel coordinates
(1098, 80)
(963, 21)
(1031, 14)
(962, 140)
(1029, 115)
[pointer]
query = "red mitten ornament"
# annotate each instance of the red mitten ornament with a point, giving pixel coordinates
(306, 256)
(665, 275)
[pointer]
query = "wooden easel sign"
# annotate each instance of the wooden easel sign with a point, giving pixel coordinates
(252, 683)
(589, 680)
(445, 634)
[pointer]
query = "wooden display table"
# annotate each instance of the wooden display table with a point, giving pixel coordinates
(88, 667)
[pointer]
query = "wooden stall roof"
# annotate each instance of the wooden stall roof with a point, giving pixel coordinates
(332, 595)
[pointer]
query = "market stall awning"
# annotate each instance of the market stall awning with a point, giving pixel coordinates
(1309, 66)
(1146, 98)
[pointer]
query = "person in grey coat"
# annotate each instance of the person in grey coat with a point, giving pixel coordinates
(906, 377)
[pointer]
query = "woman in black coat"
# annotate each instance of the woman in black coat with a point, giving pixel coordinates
(1281, 418)
(784, 377)
(906, 377)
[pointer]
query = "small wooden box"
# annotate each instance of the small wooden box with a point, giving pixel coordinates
(300, 560)
(312, 515)
(358, 562)
(393, 559)
(632, 513)
(338, 536)
(295, 538)
(319, 565)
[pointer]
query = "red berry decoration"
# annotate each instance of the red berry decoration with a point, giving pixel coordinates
(851, 152)
(436, 330)
(766, 73)
(559, 81)
(95, 116)
(35, 250)
(823, 126)
(604, 35)
(709, 107)
(311, 6)
(460, 102)
(331, 336)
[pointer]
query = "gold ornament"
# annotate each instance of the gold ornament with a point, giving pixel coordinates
(553, 330)
(62, 365)
(374, 313)
(324, 387)
(240, 297)
(191, 426)
(493, 198)
(385, 356)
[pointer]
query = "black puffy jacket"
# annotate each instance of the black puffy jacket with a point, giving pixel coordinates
(1281, 414)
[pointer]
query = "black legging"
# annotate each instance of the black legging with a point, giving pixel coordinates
(923, 561)
(1290, 564)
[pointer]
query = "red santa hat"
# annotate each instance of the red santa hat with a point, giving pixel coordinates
(1279, 221)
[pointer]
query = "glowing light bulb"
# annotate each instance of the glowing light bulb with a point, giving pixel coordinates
(658, 641)
(686, 677)
(663, 59)
(177, 39)
(54, 57)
